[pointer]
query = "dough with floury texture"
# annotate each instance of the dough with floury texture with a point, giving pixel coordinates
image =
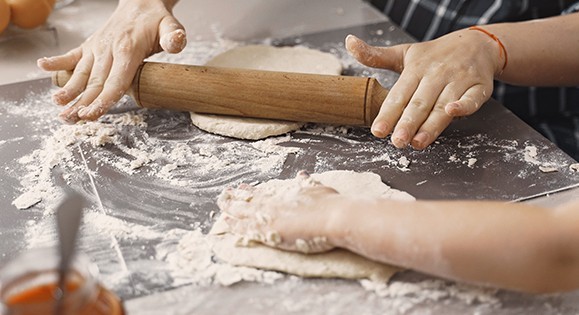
(243, 128)
(298, 59)
(338, 263)
(268, 58)
(365, 184)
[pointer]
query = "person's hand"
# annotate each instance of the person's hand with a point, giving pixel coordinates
(296, 216)
(440, 79)
(105, 64)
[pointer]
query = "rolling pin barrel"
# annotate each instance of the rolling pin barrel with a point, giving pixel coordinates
(252, 93)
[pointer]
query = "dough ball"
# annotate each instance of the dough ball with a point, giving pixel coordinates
(267, 58)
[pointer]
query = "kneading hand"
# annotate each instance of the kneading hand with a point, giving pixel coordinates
(439, 79)
(295, 218)
(105, 64)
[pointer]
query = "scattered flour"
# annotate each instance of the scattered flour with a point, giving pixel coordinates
(533, 157)
(403, 163)
(163, 158)
(193, 262)
(531, 154)
(407, 295)
(471, 162)
(548, 169)
(124, 143)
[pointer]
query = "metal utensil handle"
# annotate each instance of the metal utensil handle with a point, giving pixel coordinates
(68, 219)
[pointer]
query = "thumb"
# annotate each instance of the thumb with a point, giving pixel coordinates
(172, 35)
(391, 58)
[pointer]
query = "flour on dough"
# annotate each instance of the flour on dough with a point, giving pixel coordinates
(285, 59)
(243, 128)
(268, 58)
(366, 184)
(338, 263)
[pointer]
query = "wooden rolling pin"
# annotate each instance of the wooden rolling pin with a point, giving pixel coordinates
(328, 99)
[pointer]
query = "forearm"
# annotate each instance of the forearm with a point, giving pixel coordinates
(540, 52)
(507, 245)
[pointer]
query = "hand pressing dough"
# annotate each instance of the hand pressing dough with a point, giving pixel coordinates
(338, 263)
(268, 58)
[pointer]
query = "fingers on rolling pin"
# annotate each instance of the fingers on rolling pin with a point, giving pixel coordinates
(393, 107)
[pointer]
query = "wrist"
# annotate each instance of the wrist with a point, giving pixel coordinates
(337, 212)
(494, 47)
(344, 214)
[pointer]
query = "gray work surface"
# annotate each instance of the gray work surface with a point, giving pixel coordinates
(485, 156)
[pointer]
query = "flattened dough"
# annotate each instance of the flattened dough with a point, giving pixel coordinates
(243, 128)
(338, 263)
(269, 58)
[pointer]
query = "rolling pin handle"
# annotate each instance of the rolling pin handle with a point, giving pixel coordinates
(376, 94)
(60, 78)
(339, 100)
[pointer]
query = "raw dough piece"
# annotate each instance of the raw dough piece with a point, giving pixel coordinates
(243, 128)
(338, 263)
(262, 57)
(366, 184)
(285, 59)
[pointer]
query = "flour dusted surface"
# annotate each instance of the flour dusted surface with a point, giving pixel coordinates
(193, 168)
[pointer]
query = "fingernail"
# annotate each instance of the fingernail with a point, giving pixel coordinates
(93, 111)
(43, 61)
(175, 41)
(349, 37)
(400, 137)
(351, 40)
(379, 129)
(420, 140)
(66, 119)
(452, 109)
(70, 117)
(59, 97)
(84, 111)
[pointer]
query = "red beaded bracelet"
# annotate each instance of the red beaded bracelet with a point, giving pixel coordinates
(496, 39)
